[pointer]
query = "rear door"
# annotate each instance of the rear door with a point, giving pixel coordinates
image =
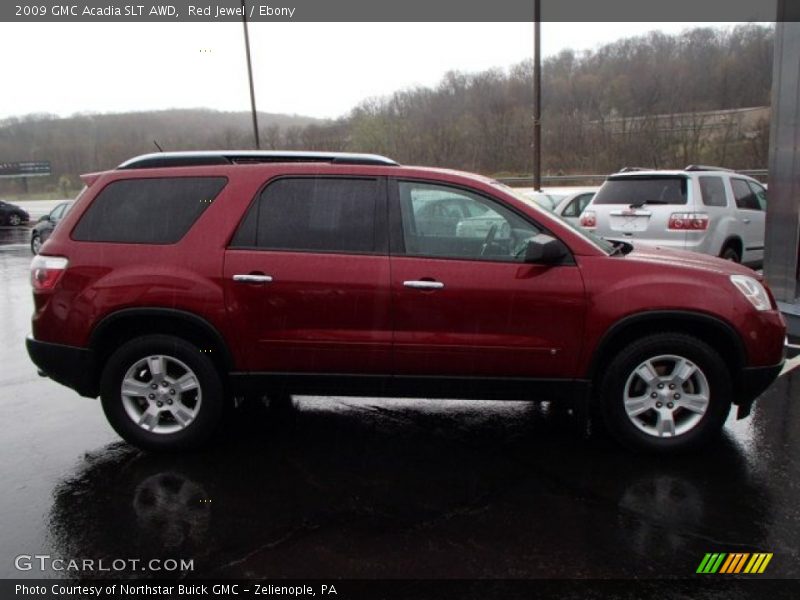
(465, 305)
(307, 278)
(751, 200)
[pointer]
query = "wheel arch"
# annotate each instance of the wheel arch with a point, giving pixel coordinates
(117, 327)
(719, 334)
(735, 242)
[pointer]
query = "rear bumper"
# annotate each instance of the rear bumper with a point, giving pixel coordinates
(68, 365)
(752, 383)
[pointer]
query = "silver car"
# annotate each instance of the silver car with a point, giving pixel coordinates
(571, 207)
(703, 209)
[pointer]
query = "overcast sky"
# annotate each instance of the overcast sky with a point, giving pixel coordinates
(314, 69)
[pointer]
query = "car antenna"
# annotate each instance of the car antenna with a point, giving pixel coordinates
(160, 149)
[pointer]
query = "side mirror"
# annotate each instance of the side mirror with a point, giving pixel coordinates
(545, 250)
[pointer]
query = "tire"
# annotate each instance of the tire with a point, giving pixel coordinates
(36, 243)
(677, 418)
(156, 414)
(14, 219)
(730, 253)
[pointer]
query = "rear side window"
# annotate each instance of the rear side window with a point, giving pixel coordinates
(313, 214)
(712, 189)
(147, 211)
(639, 190)
(58, 212)
(745, 197)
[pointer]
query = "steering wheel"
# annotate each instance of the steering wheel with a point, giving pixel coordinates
(489, 239)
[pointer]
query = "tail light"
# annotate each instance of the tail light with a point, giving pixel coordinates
(589, 219)
(46, 271)
(688, 221)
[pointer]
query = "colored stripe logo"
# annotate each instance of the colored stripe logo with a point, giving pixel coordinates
(736, 562)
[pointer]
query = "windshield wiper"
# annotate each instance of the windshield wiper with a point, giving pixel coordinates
(641, 203)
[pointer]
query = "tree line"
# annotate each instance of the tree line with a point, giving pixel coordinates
(644, 101)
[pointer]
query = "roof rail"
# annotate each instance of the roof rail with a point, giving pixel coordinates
(629, 169)
(223, 157)
(707, 168)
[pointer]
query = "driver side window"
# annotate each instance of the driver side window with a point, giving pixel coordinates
(447, 222)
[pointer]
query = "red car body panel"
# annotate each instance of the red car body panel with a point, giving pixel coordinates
(351, 313)
(322, 313)
(533, 329)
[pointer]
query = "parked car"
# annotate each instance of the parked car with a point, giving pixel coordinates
(704, 209)
(546, 200)
(42, 230)
(11, 214)
(270, 273)
(572, 206)
(442, 212)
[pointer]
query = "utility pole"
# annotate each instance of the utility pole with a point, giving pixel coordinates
(537, 98)
(250, 76)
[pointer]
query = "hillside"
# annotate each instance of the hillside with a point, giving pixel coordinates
(654, 101)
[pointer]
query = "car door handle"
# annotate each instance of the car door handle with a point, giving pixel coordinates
(424, 285)
(252, 278)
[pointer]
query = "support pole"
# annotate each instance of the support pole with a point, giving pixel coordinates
(782, 235)
(250, 77)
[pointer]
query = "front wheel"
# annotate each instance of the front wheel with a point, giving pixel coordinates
(14, 219)
(161, 393)
(665, 393)
(36, 244)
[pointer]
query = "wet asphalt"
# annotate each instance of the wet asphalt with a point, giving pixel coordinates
(377, 488)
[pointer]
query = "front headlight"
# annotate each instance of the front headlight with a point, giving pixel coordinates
(753, 291)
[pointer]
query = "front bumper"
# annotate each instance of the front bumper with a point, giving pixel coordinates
(752, 383)
(68, 365)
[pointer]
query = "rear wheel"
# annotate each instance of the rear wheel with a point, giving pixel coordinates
(14, 219)
(665, 393)
(160, 392)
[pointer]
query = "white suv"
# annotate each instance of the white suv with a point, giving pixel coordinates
(704, 209)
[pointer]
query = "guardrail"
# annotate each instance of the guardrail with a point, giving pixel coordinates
(760, 174)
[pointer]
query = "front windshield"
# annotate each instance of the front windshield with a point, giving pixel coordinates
(601, 243)
(604, 244)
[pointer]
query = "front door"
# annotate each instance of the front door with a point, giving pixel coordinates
(465, 303)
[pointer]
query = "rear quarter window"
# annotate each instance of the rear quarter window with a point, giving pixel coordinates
(147, 211)
(635, 190)
(712, 190)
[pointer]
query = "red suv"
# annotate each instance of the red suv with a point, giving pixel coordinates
(181, 281)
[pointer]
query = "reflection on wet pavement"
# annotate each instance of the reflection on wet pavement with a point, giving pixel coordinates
(339, 487)
(363, 488)
(11, 238)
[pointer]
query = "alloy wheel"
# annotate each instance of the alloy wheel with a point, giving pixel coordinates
(666, 396)
(161, 394)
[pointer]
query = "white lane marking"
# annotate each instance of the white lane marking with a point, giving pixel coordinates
(790, 365)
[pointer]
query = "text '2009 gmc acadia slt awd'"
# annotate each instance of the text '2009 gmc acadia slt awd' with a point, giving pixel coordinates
(179, 281)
